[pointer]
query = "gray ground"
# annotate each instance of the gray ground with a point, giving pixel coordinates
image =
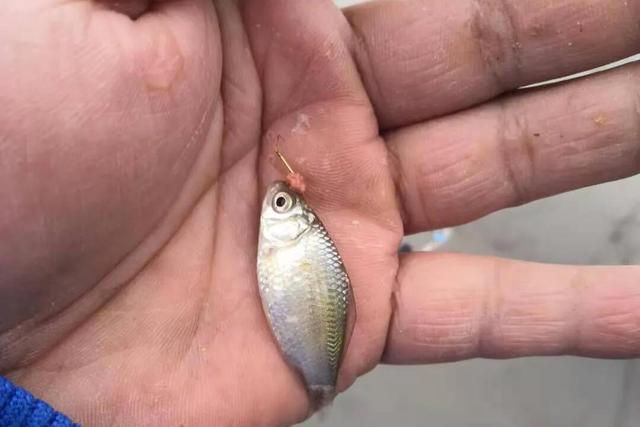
(534, 392)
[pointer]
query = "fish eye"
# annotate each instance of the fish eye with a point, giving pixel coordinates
(282, 202)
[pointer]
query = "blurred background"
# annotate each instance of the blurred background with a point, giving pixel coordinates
(598, 225)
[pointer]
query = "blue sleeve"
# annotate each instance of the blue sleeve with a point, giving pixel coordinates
(18, 408)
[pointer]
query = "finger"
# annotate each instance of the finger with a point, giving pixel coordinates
(424, 59)
(519, 149)
(314, 106)
(300, 62)
(452, 307)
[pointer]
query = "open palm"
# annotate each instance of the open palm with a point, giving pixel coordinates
(136, 138)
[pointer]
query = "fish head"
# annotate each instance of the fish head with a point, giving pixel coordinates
(285, 215)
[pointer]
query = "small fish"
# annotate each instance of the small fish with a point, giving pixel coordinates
(305, 289)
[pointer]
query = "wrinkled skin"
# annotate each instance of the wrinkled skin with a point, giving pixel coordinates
(136, 138)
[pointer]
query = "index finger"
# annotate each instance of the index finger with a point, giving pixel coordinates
(423, 59)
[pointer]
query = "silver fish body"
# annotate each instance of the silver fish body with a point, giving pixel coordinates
(304, 287)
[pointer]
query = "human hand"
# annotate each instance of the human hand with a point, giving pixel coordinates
(133, 155)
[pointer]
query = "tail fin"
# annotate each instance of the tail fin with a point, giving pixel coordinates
(321, 397)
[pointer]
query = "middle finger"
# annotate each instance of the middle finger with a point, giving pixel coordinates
(518, 149)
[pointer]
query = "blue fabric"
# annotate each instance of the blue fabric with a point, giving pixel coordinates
(18, 408)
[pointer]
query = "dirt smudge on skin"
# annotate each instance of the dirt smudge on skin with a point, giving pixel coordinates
(160, 60)
(601, 120)
(303, 124)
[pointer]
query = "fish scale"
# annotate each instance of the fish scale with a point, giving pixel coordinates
(305, 290)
